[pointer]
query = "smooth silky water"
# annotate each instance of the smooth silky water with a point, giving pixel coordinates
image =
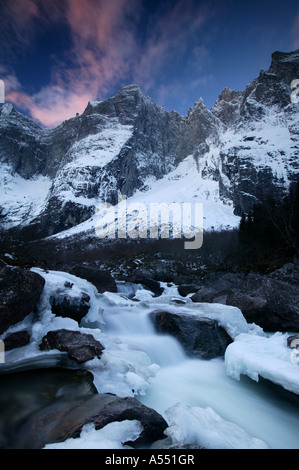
(262, 409)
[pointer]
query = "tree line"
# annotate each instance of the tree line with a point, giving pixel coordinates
(269, 233)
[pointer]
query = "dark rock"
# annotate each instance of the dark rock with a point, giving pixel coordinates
(185, 289)
(68, 285)
(147, 282)
(100, 278)
(269, 301)
(152, 285)
(200, 337)
(215, 293)
(120, 409)
(285, 65)
(16, 340)
(293, 341)
(48, 406)
(64, 305)
(20, 291)
(227, 107)
(67, 421)
(289, 273)
(178, 301)
(80, 347)
(24, 396)
(248, 304)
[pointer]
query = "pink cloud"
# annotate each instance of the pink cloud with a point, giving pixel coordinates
(104, 49)
(51, 106)
(102, 43)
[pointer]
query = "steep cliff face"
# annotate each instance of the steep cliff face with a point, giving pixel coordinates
(259, 149)
(242, 150)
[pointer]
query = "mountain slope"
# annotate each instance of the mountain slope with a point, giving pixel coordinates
(242, 150)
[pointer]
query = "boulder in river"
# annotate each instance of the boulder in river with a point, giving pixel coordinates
(200, 337)
(52, 405)
(80, 347)
(16, 340)
(270, 301)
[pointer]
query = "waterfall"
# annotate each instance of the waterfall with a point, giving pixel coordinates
(262, 409)
(205, 402)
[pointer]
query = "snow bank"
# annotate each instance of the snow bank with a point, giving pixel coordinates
(230, 318)
(56, 281)
(99, 149)
(111, 436)
(205, 428)
(268, 357)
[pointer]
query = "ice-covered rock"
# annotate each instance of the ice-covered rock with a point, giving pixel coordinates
(205, 428)
(267, 357)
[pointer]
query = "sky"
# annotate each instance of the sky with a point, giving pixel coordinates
(57, 55)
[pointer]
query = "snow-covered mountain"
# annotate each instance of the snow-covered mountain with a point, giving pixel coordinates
(242, 150)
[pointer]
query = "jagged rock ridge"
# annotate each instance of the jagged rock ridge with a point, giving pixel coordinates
(242, 150)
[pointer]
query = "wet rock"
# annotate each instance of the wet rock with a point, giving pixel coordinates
(216, 292)
(20, 291)
(79, 346)
(141, 278)
(24, 396)
(16, 340)
(185, 289)
(289, 273)
(200, 337)
(120, 409)
(270, 301)
(48, 406)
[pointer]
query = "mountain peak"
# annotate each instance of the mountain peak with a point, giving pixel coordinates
(133, 88)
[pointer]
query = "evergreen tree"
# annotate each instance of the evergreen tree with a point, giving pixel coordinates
(271, 229)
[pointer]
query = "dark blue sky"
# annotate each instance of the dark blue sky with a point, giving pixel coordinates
(56, 55)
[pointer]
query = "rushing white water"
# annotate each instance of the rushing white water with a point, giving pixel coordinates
(261, 409)
(202, 401)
